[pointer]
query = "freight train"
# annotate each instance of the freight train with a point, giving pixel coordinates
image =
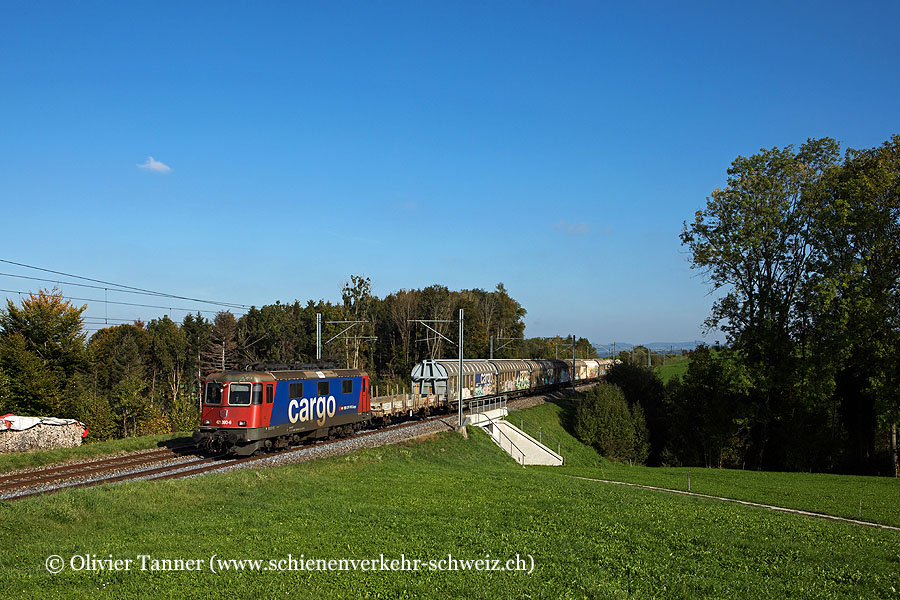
(273, 407)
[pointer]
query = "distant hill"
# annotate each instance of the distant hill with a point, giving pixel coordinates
(604, 349)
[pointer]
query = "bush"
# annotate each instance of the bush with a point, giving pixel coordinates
(644, 389)
(95, 412)
(709, 413)
(154, 422)
(604, 421)
(184, 414)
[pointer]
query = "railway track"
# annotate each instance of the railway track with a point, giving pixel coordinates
(305, 447)
(37, 483)
(119, 468)
(30, 478)
(47, 481)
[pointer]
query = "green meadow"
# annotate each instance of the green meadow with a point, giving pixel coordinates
(675, 367)
(445, 495)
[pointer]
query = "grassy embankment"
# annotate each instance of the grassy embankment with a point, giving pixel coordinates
(37, 458)
(871, 498)
(445, 496)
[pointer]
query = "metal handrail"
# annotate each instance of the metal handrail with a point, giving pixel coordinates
(523, 420)
(480, 405)
(511, 443)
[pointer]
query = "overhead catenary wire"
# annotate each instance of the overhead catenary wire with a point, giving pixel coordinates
(95, 323)
(125, 291)
(101, 320)
(172, 308)
(106, 285)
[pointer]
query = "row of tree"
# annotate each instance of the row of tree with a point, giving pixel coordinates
(704, 418)
(804, 246)
(145, 378)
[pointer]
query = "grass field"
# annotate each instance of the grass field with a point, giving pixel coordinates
(674, 367)
(441, 496)
(36, 458)
(875, 499)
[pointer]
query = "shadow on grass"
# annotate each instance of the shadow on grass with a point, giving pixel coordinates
(565, 400)
(177, 442)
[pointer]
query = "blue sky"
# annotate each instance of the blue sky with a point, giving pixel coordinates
(556, 147)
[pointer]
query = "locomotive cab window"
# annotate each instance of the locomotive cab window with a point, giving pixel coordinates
(257, 393)
(270, 393)
(347, 386)
(214, 393)
(239, 394)
(323, 388)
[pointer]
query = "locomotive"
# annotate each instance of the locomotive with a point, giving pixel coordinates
(267, 409)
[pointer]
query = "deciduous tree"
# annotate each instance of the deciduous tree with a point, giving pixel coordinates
(755, 239)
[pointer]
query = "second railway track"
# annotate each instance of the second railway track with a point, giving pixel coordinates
(67, 477)
(27, 478)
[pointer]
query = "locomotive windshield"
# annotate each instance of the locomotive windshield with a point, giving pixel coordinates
(239, 393)
(213, 393)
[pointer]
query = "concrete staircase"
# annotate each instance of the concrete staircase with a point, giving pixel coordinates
(523, 448)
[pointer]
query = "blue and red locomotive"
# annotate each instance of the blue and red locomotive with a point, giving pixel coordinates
(247, 411)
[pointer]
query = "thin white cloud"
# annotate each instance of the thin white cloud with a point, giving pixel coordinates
(580, 228)
(408, 205)
(151, 164)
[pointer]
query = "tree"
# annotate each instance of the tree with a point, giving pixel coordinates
(359, 305)
(116, 350)
(221, 352)
(115, 406)
(436, 304)
(129, 402)
(168, 355)
(403, 306)
(603, 420)
(642, 387)
(856, 297)
(510, 314)
(42, 348)
(707, 412)
(755, 241)
(52, 328)
(5, 394)
(198, 331)
(35, 388)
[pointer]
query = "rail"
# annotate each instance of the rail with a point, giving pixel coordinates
(540, 434)
(512, 444)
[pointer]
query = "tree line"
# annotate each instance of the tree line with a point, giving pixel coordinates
(804, 247)
(144, 378)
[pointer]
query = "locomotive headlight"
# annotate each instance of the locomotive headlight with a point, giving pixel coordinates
(206, 421)
(242, 423)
